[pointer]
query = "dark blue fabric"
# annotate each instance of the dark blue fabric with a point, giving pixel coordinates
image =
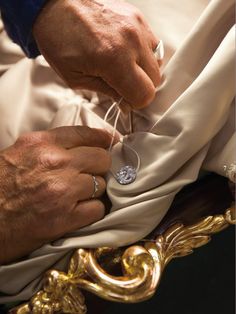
(18, 17)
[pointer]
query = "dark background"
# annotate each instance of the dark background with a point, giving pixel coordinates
(201, 283)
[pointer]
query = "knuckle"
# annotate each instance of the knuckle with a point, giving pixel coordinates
(50, 160)
(132, 34)
(101, 184)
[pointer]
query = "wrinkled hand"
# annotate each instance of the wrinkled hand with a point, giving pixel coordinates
(101, 45)
(46, 186)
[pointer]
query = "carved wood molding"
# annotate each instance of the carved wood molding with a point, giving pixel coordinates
(125, 274)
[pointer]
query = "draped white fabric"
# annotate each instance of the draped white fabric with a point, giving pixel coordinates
(188, 127)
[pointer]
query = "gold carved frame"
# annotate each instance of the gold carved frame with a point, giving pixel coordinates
(128, 275)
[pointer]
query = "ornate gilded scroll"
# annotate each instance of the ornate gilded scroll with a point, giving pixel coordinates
(126, 275)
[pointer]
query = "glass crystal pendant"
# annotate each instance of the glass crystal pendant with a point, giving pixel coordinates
(126, 175)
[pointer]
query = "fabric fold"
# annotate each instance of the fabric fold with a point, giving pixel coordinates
(176, 137)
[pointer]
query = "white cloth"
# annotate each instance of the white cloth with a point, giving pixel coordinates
(188, 127)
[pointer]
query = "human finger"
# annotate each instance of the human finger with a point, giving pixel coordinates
(86, 213)
(86, 186)
(94, 160)
(99, 85)
(133, 84)
(74, 136)
(93, 83)
(150, 66)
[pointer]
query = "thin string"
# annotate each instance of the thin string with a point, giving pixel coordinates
(113, 106)
(114, 129)
(117, 111)
(152, 126)
(137, 155)
(131, 122)
(159, 54)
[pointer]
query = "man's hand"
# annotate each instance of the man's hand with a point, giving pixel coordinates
(46, 186)
(101, 45)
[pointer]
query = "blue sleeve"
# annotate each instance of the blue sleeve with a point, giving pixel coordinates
(18, 17)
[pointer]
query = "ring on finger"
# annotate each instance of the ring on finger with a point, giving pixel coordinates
(159, 51)
(95, 186)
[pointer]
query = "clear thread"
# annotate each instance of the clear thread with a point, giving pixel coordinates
(116, 114)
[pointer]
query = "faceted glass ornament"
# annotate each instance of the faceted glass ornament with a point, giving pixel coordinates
(126, 175)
